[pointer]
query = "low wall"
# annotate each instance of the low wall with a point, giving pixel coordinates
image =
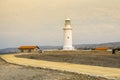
(60, 51)
(74, 51)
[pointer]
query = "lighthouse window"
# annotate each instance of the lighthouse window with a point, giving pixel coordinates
(68, 37)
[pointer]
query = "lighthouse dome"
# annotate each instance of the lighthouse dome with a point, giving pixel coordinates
(68, 19)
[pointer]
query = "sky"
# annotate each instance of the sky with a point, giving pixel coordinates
(41, 22)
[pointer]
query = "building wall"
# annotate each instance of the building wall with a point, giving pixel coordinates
(36, 50)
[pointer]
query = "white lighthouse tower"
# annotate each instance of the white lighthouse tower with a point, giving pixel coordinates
(67, 35)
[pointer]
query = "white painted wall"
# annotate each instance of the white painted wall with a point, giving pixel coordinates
(67, 36)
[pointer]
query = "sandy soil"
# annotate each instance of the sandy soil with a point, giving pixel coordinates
(15, 72)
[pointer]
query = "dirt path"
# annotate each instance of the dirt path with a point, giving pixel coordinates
(84, 69)
(15, 72)
(99, 58)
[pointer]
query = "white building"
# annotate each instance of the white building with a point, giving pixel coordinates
(29, 49)
(67, 35)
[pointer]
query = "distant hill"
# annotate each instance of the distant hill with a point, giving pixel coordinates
(50, 47)
(79, 46)
(14, 50)
(8, 50)
(91, 46)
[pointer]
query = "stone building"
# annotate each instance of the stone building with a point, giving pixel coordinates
(28, 49)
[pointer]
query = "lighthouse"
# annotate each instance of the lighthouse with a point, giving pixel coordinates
(67, 35)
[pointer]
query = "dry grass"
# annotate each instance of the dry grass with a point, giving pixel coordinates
(96, 58)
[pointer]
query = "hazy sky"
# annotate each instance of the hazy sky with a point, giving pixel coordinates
(40, 22)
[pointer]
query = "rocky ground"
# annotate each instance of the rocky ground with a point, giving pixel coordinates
(15, 72)
(95, 58)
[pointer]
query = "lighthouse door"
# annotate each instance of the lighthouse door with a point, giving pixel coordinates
(68, 37)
